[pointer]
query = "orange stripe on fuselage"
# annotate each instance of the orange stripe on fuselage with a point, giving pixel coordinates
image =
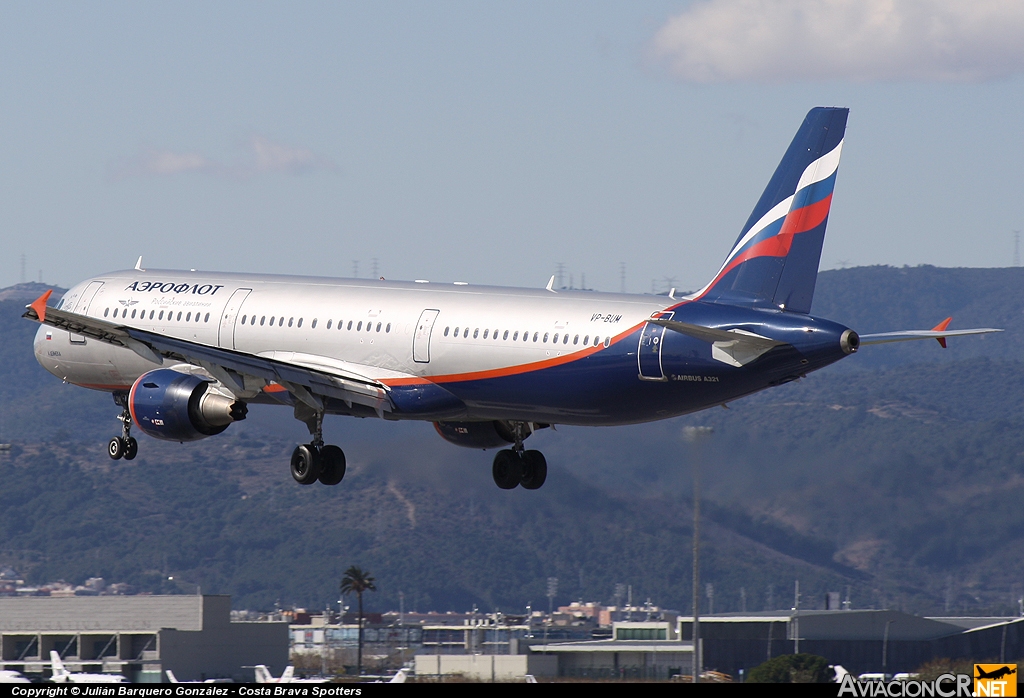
(509, 370)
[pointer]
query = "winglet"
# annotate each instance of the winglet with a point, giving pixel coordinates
(551, 283)
(39, 305)
(939, 328)
(138, 264)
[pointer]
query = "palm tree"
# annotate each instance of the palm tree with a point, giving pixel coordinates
(356, 581)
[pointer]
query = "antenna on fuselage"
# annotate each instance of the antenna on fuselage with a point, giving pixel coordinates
(138, 264)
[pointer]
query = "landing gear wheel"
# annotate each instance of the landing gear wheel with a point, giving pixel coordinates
(131, 448)
(507, 469)
(115, 449)
(535, 470)
(305, 465)
(332, 465)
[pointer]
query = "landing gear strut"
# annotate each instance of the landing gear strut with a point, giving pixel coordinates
(316, 460)
(515, 466)
(123, 446)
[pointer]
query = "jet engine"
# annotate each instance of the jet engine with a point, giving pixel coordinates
(177, 406)
(477, 434)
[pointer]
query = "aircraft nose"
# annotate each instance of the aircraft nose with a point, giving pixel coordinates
(44, 347)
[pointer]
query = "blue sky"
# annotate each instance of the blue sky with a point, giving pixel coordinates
(488, 142)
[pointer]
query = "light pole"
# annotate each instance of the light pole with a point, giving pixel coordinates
(696, 435)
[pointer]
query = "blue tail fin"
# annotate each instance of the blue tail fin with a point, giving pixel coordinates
(775, 260)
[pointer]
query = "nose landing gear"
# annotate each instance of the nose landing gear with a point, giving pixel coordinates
(515, 466)
(123, 446)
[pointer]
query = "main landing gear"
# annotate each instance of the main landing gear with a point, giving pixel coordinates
(515, 466)
(123, 446)
(315, 460)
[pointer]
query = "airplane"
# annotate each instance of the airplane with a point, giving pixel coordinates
(11, 676)
(185, 352)
(171, 678)
(62, 675)
(263, 675)
(999, 673)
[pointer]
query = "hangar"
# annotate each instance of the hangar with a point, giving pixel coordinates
(138, 636)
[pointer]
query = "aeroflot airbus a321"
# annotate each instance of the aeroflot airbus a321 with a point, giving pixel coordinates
(184, 352)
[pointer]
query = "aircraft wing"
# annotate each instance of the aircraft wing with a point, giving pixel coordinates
(939, 333)
(308, 377)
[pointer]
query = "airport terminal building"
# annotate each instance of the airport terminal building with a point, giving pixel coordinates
(138, 636)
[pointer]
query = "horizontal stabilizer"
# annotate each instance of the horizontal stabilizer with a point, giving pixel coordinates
(939, 332)
(733, 347)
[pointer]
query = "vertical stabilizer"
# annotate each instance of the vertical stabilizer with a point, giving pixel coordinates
(775, 259)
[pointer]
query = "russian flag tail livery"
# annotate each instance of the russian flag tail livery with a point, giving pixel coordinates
(775, 260)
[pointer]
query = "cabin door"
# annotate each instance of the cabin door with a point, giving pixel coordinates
(421, 342)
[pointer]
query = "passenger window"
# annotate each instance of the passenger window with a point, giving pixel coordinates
(456, 332)
(378, 327)
(312, 326)
(151, 314)
(465, 333)
(262, 319)
(554, 340)
(251, 322)
(328, 323)
(300, 322)
(272, 318)
(545, 337)
(586, 340)
(207, 319)
(476, 333)
(350, 324)
(535, 334)
(369, 326)
(244, 318)
(597, 340)
(161, 316)
(106, 312)
(446, 330)
(188, 318)
(565, 339)
(495, 335)
(515, 337)
(505, 336)
(485, 333)
(359, 327)
(387, 329)
(291, 320)
(607, 342)
(179, 316)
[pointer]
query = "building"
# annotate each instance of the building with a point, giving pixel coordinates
(138, 636)
(859, 640)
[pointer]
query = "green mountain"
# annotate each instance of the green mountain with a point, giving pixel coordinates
(897, 473)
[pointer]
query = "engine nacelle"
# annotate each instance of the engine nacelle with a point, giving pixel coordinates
(174, 406)
(494, 434)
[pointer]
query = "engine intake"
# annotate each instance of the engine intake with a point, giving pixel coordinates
(173, 406)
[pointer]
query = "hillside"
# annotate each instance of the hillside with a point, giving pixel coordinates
(897, 472)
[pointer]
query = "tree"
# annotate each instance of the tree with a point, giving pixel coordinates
(356, 582)
(792, 668)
